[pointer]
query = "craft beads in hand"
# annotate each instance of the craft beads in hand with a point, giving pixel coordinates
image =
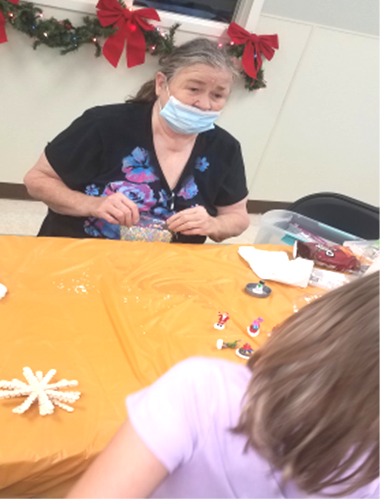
(147, 229)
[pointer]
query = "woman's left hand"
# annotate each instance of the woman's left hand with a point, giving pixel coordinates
(230, 221)
(192, 221)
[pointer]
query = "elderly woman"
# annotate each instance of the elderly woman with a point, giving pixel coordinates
(159, 154)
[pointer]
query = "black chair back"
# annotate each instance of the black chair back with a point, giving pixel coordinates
(340, 211)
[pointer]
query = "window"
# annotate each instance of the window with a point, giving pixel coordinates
(213, 10)
(198, 17)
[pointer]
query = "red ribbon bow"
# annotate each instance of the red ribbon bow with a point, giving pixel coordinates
(254, 46)
(3, 35)
(129, 24)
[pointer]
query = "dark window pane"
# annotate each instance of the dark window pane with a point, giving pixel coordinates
(215, 10)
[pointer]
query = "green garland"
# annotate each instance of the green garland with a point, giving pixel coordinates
(249, 83)
(29, 19)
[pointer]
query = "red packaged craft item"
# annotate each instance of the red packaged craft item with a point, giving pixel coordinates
(329, 256)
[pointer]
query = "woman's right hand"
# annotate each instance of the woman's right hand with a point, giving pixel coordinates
(115, 209)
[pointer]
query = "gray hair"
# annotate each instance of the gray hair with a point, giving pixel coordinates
(197, 51)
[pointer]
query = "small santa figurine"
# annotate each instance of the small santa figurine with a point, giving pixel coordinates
(222, 319)
(245, 351)
(254, 329)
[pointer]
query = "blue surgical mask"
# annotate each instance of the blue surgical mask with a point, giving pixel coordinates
(186, 119)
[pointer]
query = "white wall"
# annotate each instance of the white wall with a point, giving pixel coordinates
(354, 15)
(43, 92)
(314, 128)
(326, 134)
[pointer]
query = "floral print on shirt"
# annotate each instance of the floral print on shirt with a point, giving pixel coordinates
(92, 190)
(139, 173)
(140, 194)
(189, 189)
(201, 164)
(137, 168)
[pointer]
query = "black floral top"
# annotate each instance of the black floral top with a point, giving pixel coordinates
(110, 149)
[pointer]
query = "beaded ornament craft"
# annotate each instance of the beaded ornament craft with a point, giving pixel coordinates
(147, 229)
(39, 390)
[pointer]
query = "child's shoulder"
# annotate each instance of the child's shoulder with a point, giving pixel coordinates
(202, 371)
(210, 364)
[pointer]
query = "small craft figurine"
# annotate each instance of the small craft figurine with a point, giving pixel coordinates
(222, 319)
(3, 291)
(220, 344)
(245, 351)
(39, 390)
(258, 290)
(254, 329)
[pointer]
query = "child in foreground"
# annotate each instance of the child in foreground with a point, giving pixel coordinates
(300, 419)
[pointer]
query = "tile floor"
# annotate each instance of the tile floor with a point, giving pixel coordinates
(23, 218)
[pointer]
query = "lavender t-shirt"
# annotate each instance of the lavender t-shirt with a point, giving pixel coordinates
(185, 419)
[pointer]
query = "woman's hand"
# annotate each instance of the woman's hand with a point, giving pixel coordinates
(230, 221)
(115, 209)
(192, 221)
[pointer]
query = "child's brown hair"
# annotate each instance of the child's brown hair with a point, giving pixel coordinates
(312, 405)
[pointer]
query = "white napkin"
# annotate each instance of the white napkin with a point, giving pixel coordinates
(375, 265)
(276, 266)
(3, 291)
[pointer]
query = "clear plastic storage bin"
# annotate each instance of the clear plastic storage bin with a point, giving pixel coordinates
(284, 227)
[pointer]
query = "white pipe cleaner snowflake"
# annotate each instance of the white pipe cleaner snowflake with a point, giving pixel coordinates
(38, 389)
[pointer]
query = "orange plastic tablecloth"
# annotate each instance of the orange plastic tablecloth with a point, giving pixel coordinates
(113, 315)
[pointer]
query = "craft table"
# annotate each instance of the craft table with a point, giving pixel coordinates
(113, 315)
